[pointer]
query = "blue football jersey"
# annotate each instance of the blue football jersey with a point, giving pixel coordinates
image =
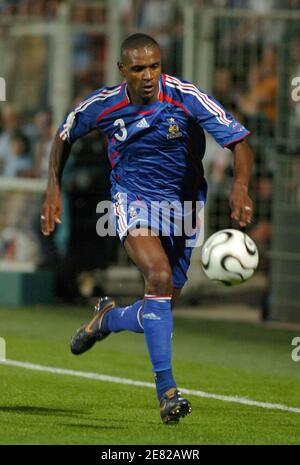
(155, 150)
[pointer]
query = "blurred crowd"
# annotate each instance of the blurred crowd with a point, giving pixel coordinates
(48, 8)
(160, 18)
(245, 69)
(24, 146)
(24, 152)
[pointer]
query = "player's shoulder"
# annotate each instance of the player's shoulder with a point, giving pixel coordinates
(100, 96)
(180, 87)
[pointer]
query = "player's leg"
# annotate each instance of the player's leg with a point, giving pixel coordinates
(129, 318)
(149, 255)
(110, 318)
(144, 248)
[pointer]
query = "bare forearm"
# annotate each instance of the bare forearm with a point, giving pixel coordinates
(52, 207)
(59, 154)
(239, 200)
(243, 162)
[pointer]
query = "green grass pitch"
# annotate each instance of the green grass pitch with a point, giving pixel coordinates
(218, 357)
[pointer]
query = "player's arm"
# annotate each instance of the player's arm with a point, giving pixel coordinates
(52, 206)
(79, 122)
(229, 133)
(240, 203)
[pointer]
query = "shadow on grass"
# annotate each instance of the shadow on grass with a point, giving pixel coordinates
(89, 426)
(32, 410)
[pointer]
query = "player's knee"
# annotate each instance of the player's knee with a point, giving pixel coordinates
(159, 280)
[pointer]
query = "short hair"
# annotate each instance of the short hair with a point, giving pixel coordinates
(138, 40)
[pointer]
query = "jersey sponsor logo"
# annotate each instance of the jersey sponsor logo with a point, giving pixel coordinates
(173, 131)
(143, 124)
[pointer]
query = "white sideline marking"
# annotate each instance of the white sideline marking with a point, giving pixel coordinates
(114, 379)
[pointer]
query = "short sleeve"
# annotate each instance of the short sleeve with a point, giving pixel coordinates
(212, 117)
(81, 120)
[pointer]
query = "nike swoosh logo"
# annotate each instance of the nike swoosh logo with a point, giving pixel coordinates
(88, 329)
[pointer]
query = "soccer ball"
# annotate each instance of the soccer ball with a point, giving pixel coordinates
(229, 257)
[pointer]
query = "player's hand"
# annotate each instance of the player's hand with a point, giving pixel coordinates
(51, 211)
(241, 205)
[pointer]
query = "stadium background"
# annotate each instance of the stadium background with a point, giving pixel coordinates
(53, 53)
(241, 376)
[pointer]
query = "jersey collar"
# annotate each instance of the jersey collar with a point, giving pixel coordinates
(124, 88)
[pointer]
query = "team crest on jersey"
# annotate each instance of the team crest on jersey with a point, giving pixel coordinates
(173, 130)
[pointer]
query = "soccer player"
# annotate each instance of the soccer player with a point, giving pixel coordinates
(154, 124)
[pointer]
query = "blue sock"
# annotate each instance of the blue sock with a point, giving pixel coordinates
(164, 381)
(124, 318)
(158, 327)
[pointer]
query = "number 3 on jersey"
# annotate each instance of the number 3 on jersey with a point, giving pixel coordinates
(122, 134)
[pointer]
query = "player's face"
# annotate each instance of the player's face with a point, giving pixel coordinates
(141, 69)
